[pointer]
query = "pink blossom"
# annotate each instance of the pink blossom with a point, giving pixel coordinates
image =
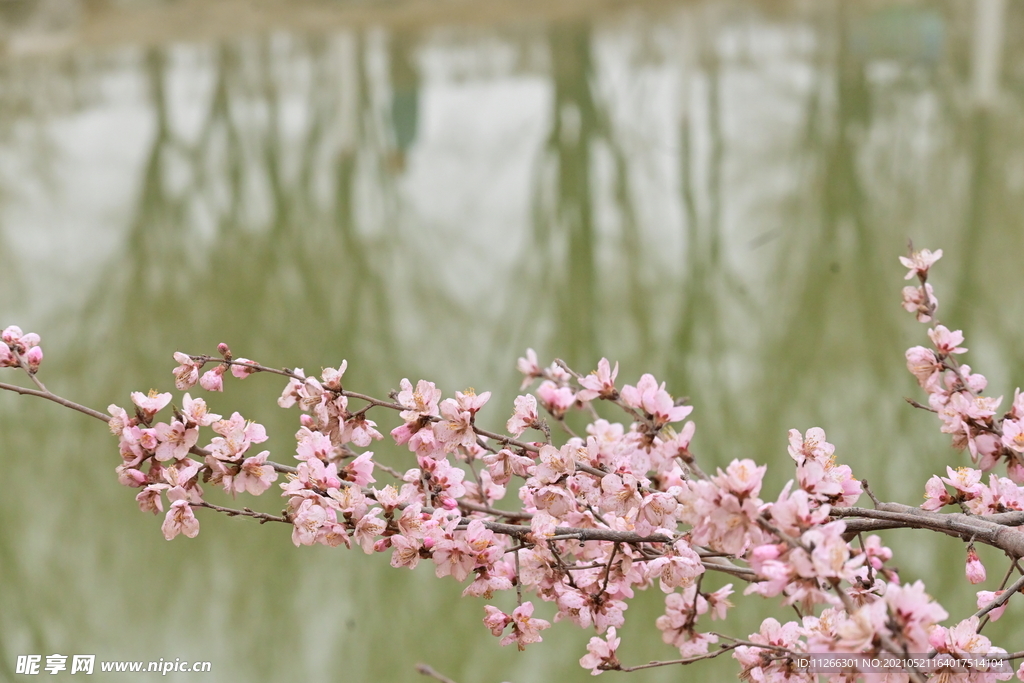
(187, 373)
(741, 477)
(306, 522)
(555, 399)
(406, 552)
(529, 367)
(619, 494)
(935, 494)
(360, 470)
(986, 598)
(975, 569)
(1013, 435)
(361, 431)
(368, 528)
(555, 463)
(677, 568)
(149, 499)
(151, 403)
(213, 380)
(525, 415)
(923, 364)
(920, 300)
(332, 377)
(495, 620)
(453, 557)
(456, 429)
(175, 440)
(255, 476)
(718, 601)
(180, 518)
(503, 464)
(119, 419)
(599, 383)
(601, 653)
(919, 262)
(196, 412)
(648, 396)
(33, 357)
(486, 583)
(242, 371)
(525, 628)
(421, 402)
(946, 342)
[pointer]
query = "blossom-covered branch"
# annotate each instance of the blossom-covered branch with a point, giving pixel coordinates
(621, 507)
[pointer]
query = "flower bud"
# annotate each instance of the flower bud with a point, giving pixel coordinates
(975, 569)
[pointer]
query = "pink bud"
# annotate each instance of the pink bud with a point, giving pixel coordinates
(428, 542)
(381, 545)
(449, 503)
(212, 380)
(224, 350)
(34, 357)
(975, 569)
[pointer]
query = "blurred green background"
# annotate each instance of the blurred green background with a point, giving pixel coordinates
(715, 192)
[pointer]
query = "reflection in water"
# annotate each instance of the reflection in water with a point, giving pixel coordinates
(713, 192)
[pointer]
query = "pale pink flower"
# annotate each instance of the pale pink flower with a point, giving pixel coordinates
(361, 431)
(149, 499)
(741, 477)
(368, 528)
(601, 653)
(975, 569)
(119, 419)
(242, 371)
(677, 568)
(503, 464)
(651, 398)
(454, 557)
(718, 601)
(180, 519)
(555, 463)
(292, 391)
(187, 373)
(525, 627)
(306, 522)
(525, 415)
(421, 402)
(599, 383)
(196, 412)
(213, 380)
(175, 440)
(923, 364)
(920, 261)
(486, 583)
(946, 342)
(619, 494)
(406, 551)
(495, 620)
(529, 367)
(986, 598)
(1013, 435)
(332, 377)
(456, 429)
(555, 399)
(151, 403)
(255, 476)
(920, 301)
(33, 357)
(935, 494)
(360, 470)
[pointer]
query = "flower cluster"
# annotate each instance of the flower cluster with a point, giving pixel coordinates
(618, 508)
(17, 347)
